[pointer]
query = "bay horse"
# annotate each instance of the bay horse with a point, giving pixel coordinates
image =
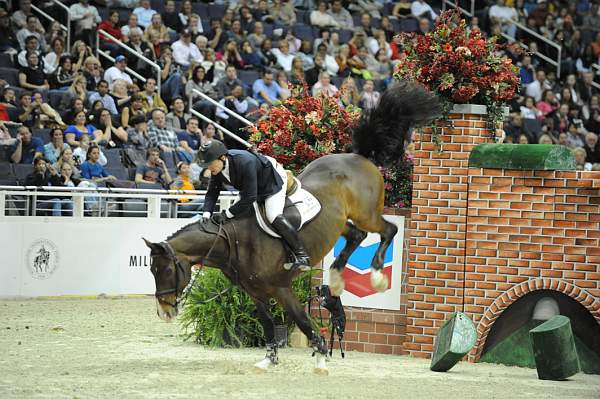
(350, 189)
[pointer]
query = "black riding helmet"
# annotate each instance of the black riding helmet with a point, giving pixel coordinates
(212, 151)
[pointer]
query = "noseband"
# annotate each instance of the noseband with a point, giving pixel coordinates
(180, 269)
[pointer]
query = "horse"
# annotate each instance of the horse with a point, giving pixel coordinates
(350, 188)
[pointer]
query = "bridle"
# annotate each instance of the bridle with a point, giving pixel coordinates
(179, 268)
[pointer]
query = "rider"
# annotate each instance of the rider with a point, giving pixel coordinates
(257, 178)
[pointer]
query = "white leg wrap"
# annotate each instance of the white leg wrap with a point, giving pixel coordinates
(321, 365)
(379, 281)
(336, 282)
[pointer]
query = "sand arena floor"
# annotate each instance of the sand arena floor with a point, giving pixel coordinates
(119, 348)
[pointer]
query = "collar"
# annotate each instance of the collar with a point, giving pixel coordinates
(225, 170)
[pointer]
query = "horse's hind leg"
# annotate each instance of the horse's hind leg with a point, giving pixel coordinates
(354, 237)
(269, 328)
(387, 231)
(287, 299)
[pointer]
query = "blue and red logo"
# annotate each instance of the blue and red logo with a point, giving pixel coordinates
(356, 274)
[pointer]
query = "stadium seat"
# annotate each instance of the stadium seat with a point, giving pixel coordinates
(43, 134)
(158, 5)
(11, 75)
(21, 172)
(345, 35)
(6, 170)
(6, 61)
(134, 208)
(169, 159)
(54, 97)
(119, 172)
(375, 22)
(304, 32)
(113, 156)
(268, 28)
(149, 186)
(409, 25)
(248, 77)
(201, 9)
(216, 11)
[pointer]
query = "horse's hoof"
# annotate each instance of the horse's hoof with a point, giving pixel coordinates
(379, 281)
(263, 365)
(336, 282)
(320, 371)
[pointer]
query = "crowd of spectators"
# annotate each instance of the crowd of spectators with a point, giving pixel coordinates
(244, 54)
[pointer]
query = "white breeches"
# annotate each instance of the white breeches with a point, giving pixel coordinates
(275, 203)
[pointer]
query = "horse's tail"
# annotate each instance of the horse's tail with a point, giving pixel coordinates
(381, 133)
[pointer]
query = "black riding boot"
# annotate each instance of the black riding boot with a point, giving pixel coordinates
(290, 235)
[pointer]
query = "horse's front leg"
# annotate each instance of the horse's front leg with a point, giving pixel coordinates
(290, 303)
(266, 320)
(354, 237)
(379, 281)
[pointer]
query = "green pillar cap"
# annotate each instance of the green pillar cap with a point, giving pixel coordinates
(522, 156)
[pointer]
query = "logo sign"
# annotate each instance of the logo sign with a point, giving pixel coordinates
(357, 273)
(42, 259)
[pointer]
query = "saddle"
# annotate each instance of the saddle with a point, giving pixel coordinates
(300, 207)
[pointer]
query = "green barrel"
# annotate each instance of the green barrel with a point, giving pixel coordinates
(454, 340)
(554, 349)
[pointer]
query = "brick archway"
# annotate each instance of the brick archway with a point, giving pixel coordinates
(507, 298)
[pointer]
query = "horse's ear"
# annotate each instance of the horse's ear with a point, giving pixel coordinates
(155, 248)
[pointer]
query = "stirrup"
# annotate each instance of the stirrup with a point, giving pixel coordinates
(296, 264)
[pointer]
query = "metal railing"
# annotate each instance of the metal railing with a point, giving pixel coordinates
(125, 47)
(554, 62)
(28, 201)
(51, 19)
(217, 125)
(456, 5)
(596, 74)
(64, 7)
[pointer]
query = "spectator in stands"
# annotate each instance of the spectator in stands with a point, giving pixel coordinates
(171, 17)
(102, 94)
(545, 139)
(52, 59)
(32, 45)
(526, 70)
(236, 33)
(187, 206)
(579, 154)
(503, 15)
(32, 76)
(9, 97)
(369, 6)
(143, 48)
(250, 57)
(402, 10)
(157, 27)
(306, 55)
(132, 22)
(80, 126)
(365, 24)
(266, 90)
(528, 109)
(111, 26)
(177, 118)
(138, 133)
(369, 97)
(267, 57)
(238, 104)
(420, 9)
(217, 36)
(349, 94)
(150, 98)
(32, 29)
(64, 75)
(540, 84)
(117, 72)
(144, 13)
(92, 73)
(329, 62)
(312, 75)
(283, 55)
(296, 75)
(342, 17)
(199, 82)
(210, 133)
(112, 132)
(548, 104)
(43, 175)
(592, 148)
(19, 17)
(55, 147)
(424, 26)
(135, 108)
(575, 138)
(26, 148)
(225, 85)
(91, 168)
(159, 134)
(63, 206)
(190, 138)
(86, 20)
(171, 77)
(257, 37)
(77, 89)
(324, 86)
(321, 18)
(232, 55)
(154, 171)
(185, 52)
(388, 28)
(34, 112)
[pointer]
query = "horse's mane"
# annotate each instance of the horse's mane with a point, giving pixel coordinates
(208, 227)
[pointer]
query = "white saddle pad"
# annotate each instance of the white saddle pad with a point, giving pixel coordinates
(307, 205)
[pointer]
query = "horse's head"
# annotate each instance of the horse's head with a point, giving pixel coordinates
(171, 276)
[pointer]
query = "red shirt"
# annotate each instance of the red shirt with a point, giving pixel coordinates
(111, 30)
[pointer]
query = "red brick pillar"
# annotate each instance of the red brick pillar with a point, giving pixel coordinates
(438, 226)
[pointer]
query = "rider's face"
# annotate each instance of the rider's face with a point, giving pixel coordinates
(215, 167)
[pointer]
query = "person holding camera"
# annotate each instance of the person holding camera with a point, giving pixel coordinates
(26, 147)
(154, 171)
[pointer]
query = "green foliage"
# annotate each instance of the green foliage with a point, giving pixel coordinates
(230, 318)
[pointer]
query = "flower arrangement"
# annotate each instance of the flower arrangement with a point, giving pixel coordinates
(304, 128)
(461, 66)
(398, 183)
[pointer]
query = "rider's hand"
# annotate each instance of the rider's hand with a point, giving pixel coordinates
(219, 218)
